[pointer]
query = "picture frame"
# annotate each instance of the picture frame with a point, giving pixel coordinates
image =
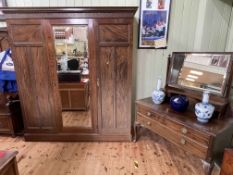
(3, 3)
(153, 24)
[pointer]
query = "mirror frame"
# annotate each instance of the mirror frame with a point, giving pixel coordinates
(220, 101)
(93, 104)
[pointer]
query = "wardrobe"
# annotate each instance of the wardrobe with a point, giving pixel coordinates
(35, 35)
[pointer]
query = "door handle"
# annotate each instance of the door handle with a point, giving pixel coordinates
(98, 82)
(108, 59)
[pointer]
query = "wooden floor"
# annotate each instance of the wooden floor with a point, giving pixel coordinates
(151, 155)
(76, 118)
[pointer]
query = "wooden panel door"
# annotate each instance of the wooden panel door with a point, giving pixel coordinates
(115, 61)
(36, 74)
(4, 40)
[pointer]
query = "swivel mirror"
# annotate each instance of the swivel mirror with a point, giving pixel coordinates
(201, 71)
(191, 73)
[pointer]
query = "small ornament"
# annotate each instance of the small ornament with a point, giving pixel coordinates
(158, 95)
(179, 103)
(204, 110)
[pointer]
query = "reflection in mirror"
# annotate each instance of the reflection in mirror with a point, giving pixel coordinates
(200, 71)
(71, 46)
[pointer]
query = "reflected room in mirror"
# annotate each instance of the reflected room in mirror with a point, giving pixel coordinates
(201, 71)
(71, 45)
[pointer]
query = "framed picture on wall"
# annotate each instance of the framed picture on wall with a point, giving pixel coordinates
(153, 23)
(3, 3)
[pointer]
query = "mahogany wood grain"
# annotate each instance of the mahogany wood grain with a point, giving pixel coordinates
(8, 164)
(79, 99)
(65, 99)
(178, 139)
(107, 83)
(214, 127)
(93, 78)
(11, 120)
(227, 164)
(110, 31)
(195, 134)
(113, 33)
(10, 115)
(55, 100)
(6, 125)
(69, 12)
(115, 74)
(27, 33)
(4, 39)
(206, 141)
(123, 78)
(25, 87)
(31, 63)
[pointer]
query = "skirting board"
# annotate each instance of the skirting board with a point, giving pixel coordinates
(76, 137)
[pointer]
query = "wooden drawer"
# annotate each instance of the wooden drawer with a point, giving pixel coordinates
(200, 137)
(5, 124)
(178, 139)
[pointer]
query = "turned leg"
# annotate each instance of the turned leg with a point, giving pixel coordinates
(135, 131)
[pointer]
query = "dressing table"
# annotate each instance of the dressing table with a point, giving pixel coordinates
(206, 141)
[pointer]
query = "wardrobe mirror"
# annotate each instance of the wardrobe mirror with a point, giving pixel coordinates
(71, 45)
(201, 71)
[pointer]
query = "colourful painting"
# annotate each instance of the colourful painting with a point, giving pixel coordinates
(154, 23)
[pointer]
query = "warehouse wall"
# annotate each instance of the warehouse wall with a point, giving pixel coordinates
(195, 25)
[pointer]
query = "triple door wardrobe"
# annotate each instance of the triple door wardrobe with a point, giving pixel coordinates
(74, 71)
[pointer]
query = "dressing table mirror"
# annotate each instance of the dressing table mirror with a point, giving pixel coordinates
(192, 73)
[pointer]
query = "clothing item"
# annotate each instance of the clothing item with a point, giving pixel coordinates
(7, 73)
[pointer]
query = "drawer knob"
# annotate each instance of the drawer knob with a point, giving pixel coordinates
(148, 123)
(184, 130)
(183, 142)
(148, 114)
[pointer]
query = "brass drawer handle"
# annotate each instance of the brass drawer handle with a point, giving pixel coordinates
(184, 130)
(183, 142)
(148, 114)
(148, 123)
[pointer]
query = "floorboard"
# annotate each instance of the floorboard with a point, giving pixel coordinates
(150, 155)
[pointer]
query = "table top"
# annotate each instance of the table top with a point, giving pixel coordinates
(6, 157)
(188, 118)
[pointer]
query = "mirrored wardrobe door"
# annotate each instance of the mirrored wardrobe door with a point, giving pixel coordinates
(72, 57)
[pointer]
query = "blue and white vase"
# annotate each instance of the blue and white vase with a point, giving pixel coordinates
(204, 110)
(158, 95)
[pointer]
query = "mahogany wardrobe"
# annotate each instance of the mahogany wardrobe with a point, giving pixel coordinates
(73, 62)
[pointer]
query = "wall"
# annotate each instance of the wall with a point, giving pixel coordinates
(229, 46)
(195, 25)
